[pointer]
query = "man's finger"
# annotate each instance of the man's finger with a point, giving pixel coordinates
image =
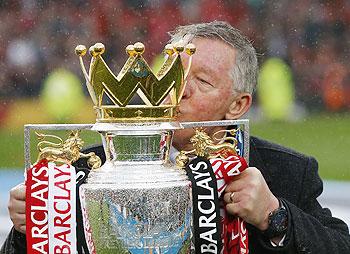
(236, 185)
(233, 208)
(17, 206)
(19, 219)
(18, 192)
(230, 197)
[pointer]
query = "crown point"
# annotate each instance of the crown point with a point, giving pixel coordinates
(80, 50)
(190, 49)
(169, 49)
(139, 47)
(130, 50)
(92, 51)
(179, 47)
(99, 48)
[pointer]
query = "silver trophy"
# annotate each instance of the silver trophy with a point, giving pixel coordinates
(134, 185)
(138, 201)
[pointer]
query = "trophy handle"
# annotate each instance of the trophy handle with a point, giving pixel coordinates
(42, 127)
(242, 125)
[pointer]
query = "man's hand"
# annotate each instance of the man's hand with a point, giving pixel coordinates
(249, 198)
(17, 207)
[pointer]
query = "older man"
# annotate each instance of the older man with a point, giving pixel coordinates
(220, 86)
(277, 194)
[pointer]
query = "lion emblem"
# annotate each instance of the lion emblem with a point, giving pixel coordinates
(204, 146)
(67, 151)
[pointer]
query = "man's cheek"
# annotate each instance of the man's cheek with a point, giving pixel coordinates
(203, 107)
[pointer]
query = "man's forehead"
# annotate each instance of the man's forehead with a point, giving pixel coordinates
(212, 53)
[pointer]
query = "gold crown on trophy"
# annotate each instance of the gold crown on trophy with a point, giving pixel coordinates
(136, 77)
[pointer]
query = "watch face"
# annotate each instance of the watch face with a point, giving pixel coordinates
(278, 222)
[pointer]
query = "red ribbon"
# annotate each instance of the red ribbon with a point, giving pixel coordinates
(50, 208)
(234, 233)
(37, 190)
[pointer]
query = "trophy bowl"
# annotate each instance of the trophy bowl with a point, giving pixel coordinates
(137, 202)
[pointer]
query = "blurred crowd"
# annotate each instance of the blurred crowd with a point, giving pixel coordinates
(311, 36)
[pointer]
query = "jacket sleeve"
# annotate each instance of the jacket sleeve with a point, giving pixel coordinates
(14, 243)
(312, 229)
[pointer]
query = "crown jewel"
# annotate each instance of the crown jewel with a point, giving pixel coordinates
(136, 77)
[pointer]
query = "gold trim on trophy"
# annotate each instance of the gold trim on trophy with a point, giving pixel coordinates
(67, 151)
(136, 77)
(204, 146)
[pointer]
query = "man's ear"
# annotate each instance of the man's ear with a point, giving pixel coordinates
(239, 106)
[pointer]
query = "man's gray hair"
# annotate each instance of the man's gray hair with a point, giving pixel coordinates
(244, 71)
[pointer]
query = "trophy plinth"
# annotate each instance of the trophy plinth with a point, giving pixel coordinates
(138, 202)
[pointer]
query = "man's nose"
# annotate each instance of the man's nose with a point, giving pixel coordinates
(188, 88)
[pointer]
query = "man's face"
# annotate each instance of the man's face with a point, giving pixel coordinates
(209, 89)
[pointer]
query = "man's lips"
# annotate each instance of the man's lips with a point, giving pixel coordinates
(180, 110)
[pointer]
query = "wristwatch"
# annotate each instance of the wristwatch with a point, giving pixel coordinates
(278, 222)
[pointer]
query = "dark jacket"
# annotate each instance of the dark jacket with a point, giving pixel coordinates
(293, 178)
